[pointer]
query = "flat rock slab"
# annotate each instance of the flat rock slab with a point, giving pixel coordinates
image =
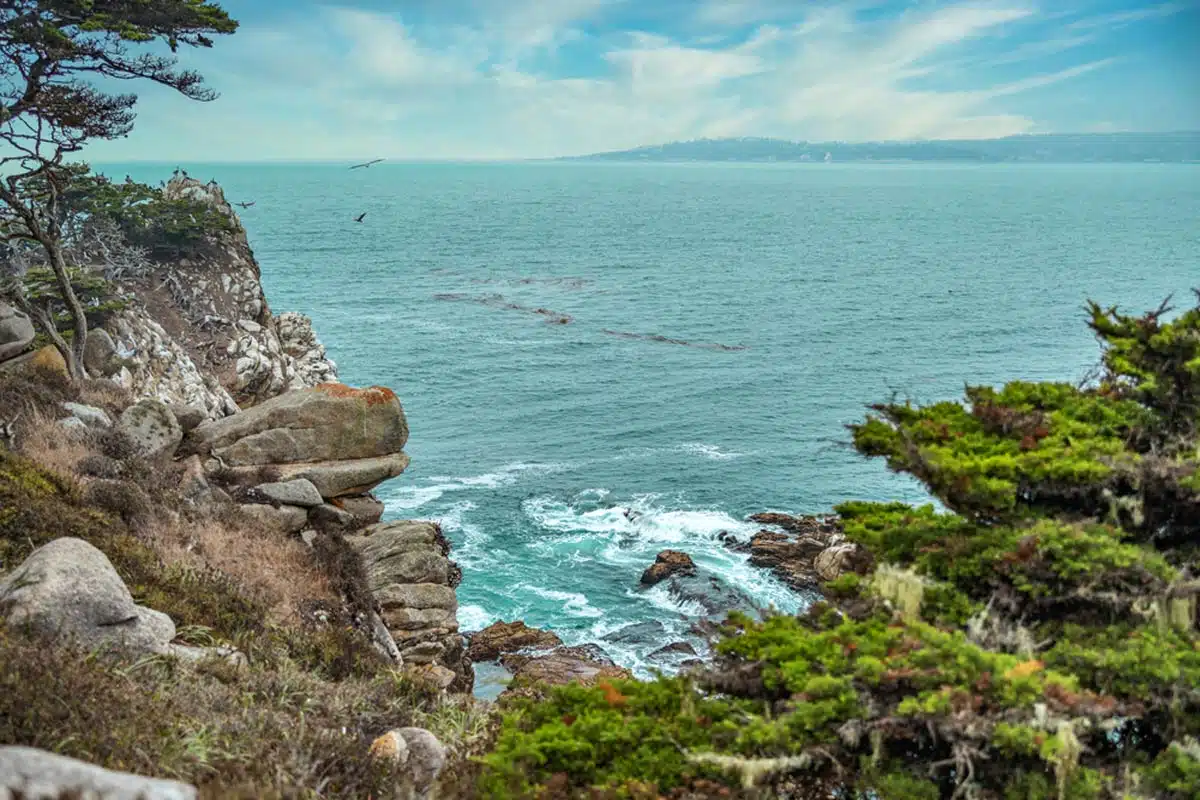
(330, 422)
(298, 492)
(401, 553)
(68, 588)
(285, 519)
(340, 478)
(34, 774)
(584, 664)
(637, 633)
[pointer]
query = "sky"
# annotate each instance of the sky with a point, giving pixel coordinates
(505, 79)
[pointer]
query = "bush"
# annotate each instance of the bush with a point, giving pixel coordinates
(146, 217)
(1037, 640)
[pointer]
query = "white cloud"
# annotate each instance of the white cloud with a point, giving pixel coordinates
(1120, 19)
(538, 23)
(655, 63)
(352, 82)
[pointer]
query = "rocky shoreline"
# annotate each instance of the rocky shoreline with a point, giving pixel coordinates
(240, 411)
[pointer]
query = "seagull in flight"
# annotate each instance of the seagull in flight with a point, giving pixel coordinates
(359, 218)
(366, 164)
(245, 205)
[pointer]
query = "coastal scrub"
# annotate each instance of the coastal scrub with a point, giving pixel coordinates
(1037, 639)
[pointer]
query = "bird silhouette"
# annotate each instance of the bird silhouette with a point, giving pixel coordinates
(359, 218)
(366, 163)
(245, 205)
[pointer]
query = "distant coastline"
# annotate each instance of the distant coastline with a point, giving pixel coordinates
(1180, 147)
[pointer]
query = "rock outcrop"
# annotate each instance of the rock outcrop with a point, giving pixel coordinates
(154, 364)
(331, 422)
(200, 331)
(583, 664)
(152, 428)
(666, 564)
(33, 774)
(809, 551)
(328, 445)
(67, 588)
(16, 332)
(638, 633)
(509, 637)
(708, 594)
(410, 574)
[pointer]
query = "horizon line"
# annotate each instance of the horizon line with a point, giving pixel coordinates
(525, 159)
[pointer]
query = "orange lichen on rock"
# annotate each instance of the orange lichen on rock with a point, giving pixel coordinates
(373, 395)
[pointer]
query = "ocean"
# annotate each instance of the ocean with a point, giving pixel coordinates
(573, 341)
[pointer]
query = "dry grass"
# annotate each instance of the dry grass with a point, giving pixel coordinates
(106, 395)
(273, 566)
(272, 730)
(50, 444)
(281, 572)
(298, 722)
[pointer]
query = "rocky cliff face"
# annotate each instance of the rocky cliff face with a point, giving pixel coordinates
(201, 333)
(274, 431)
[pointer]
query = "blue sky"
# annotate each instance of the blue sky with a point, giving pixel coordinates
(303, 79)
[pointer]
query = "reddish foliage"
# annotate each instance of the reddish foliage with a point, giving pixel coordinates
(612, 695)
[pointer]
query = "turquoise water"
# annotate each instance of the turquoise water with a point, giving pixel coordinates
(843, 284)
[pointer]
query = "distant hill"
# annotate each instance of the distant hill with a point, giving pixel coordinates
(1045, 148)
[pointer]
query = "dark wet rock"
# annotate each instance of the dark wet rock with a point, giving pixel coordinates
(732, 542)
(785, 521)
(638, 633)
(666, 564)
(810, 551)
(713, 596)
(673, 650)
(706, 629)
(501, 638)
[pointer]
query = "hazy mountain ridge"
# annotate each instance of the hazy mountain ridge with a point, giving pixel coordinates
(1044, 148)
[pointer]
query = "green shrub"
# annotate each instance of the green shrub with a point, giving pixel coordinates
(1037, 641)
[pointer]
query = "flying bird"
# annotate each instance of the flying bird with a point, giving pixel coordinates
(367, 164)
(245, 205)
(359, 218)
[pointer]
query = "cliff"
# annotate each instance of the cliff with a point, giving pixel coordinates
(204, 500)
(201, 333)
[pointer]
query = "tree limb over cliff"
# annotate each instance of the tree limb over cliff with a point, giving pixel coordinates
(50, 50)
